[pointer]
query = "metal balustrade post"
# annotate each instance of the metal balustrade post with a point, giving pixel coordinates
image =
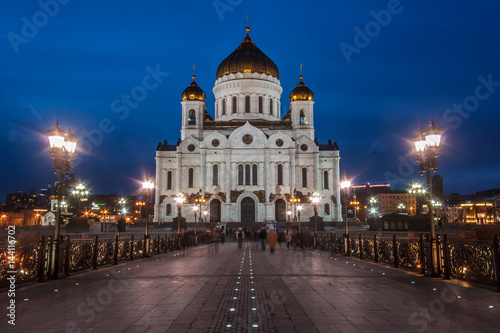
(158, 244)
(438, 255)
(115, 256)
(360, 246)
(41, 261)
(496, 261)
(95, 251)
(395, 252)
(131, 247)
(144, 247)
(422, 254)
(51, 254)
(67, 256)
(446, 257)
(375, 248)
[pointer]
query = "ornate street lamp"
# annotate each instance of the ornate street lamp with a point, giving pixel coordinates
(179, 200)
(315, 200)
(418, 191)
(299, 209)
(401, 207)
(289, 214)
(147, 186)
(62, 150)
(205, 214)
(427, 149)
(346, 186)
(198, 201)
(79, 192)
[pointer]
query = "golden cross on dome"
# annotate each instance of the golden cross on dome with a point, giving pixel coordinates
(248, 26)
(301, 77)
(194, 68)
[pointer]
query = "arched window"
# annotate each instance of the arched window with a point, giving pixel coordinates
(169, 180)
(169, 209)
(224, 107)
(215, 175)
(325, 180)
(247, 174)
(254, 174)
(235, 104)
(327, 209)
(191, 178)
(271, 106)
(240, 174)
(304, 177)
(260, 104)
(192, 117)
(247, 104)
(302, 117)
(280, 174)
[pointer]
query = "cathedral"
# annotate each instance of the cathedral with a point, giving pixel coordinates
(249, 163)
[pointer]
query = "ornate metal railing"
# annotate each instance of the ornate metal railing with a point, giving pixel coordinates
(32, 261)
(476, 261)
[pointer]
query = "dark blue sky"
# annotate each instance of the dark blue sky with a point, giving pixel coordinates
(415, 66)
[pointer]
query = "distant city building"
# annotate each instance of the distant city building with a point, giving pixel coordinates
(479, 208)
(21, 200)
(437, 187)
(390, 203)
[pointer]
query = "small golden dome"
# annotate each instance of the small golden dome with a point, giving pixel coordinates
(247, 58)
(301, 92)
(193, 92)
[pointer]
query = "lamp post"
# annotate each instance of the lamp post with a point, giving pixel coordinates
(198, 201)
(62, 151)
(315, 200)
(373, 202)
(427, 149)
(147, 186)
(122, 202)
(195, 210)
(294, 202)
(346, 185)
(179, 200)
(289, 214)
(417, 190)
(401, 207)
(299, 209)
(80, 191)
(205, 214)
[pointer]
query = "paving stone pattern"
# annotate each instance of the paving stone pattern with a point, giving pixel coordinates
(221, 288)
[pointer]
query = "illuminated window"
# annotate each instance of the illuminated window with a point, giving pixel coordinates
(191, 178)
(215, 175)
(169, 180)
(302, 117)
(192, 117)
(247, 104)
(327, 209)
(280, 174)
(304, 177)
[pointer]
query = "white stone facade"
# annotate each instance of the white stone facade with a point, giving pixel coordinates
(248, 159)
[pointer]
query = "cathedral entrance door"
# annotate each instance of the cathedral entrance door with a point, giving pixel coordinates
(280, 210)
(247, 210)
(215, 210)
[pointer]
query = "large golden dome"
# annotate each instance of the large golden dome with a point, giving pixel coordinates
(247, 58)
(193, 92)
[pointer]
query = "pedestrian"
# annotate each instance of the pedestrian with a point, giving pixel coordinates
(288, 239)
(263, 236)
(240, 237)
(272, 238)
(222, 237)
(295, 239)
